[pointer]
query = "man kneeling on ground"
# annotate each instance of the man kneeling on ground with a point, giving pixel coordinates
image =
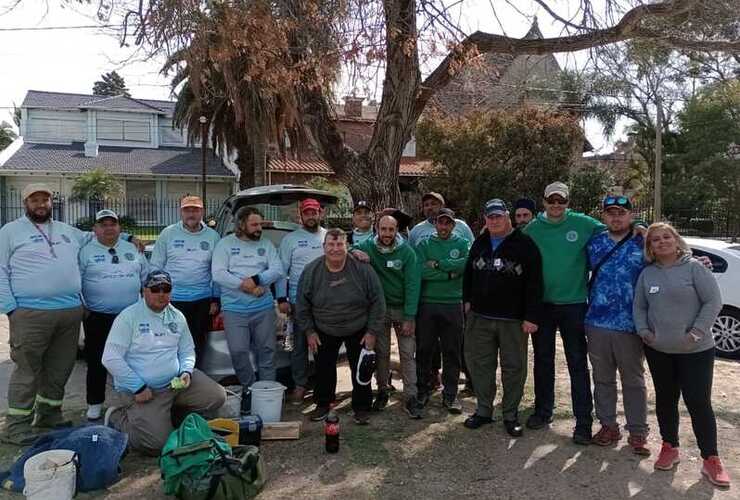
(340, 300)
(151, 356)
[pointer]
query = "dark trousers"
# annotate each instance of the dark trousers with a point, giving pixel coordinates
(439, 325)
(199, 322)
(97, 326)
(326, 371)
(690, 376)
(568, 318)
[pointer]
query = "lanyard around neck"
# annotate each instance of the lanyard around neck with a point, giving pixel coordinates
(47, 238)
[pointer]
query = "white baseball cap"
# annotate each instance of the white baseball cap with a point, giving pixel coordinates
(558, 188)
(36, 188)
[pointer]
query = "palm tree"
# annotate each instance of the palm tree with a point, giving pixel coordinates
(7, 135)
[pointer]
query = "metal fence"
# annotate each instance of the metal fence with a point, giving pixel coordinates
(712, 220)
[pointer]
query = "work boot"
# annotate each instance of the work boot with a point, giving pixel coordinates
(49, 417)
(18, 430)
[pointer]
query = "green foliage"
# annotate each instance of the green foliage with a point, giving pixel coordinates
(128, 224)
(500, 154)
(588, 186)
(96, 184)
(111, 83)
(7, 135)
(344, 203)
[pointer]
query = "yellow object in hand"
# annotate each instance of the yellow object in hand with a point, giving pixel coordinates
(177, 383)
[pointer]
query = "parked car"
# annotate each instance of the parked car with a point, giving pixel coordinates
(279, 204)
(725, 259)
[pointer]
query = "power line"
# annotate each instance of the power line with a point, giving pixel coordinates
(52, 28)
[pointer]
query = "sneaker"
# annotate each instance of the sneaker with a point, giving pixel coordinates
(668, 457)
(535, 422)
(296, 397)
(582, 435)
(412, 408)
(453, 405)
(381, 401)
(319, 413)
(94, 412)
(715, 472)
(513, 428)
(475, 421)
(608, 435)
(362, 417)
(638, 443)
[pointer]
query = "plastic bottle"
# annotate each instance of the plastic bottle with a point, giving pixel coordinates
(331, 432)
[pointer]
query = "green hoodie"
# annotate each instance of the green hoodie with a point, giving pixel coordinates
(563, 249)
(399, 273)
(443, 284)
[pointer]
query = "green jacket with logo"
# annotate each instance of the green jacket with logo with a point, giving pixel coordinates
(563, 249)
(399, 273)
(443, 284)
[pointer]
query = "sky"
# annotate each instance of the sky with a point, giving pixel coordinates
(72, 60)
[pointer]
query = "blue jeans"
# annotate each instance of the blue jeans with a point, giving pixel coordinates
(568, 318)
(255, 333)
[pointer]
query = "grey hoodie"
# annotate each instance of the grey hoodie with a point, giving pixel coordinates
(670, 300)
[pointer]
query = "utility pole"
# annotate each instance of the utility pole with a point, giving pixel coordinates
(658, 215)
(203, 142)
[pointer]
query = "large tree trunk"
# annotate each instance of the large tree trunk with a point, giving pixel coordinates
(245, 162)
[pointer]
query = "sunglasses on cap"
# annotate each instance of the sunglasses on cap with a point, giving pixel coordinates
(557, 201)
(160, 289)
(114, 255)
(616, 200)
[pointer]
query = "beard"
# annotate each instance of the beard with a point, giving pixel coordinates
(254, 236)
(311, 225)
(38, 218)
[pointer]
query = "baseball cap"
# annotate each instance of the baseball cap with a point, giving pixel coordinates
(525, 203)
(310, 203)
(35, 188)
(365, 367)
(361, 204)
(558, 188)
(191, 201)
(432, 194)
(617, 201)
(446, 212)
(157, 277)
(105, 213)
(496, 206)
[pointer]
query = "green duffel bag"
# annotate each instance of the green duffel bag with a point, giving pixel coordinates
(234, 476)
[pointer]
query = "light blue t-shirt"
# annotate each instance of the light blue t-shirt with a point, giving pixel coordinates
(187, 257)
(296, 250)
(36, 273)
(107, 287)
(495, 242)
(148, 348)
(425, 229)
(234, 260)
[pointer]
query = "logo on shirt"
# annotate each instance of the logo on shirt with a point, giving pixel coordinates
(129, 256)
(178, 243)
(36, 238)
(204, 245)
(66, 238)
(261, 252)
(571, 236)
(395, 264)
(454, 253)
(172, 326)
(235, 251)
(302, 243)
(144, 328)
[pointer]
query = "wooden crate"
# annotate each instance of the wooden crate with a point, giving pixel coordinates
(272, 431)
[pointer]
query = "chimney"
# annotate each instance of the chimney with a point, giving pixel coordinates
(353, 106)
(91, 149)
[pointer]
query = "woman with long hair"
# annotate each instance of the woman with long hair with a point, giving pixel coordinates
(676, 302)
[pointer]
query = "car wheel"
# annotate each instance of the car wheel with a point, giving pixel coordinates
(726, 331)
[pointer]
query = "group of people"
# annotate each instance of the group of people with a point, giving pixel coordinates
(617, 292)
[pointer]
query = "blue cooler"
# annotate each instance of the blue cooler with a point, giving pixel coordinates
(250, 430)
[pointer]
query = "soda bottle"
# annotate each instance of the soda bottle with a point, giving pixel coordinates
(331, 432)
(288, 338)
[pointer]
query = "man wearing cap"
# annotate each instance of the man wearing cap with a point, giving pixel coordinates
(185, 250)
(113, 272)
(440, 319)
(397, 266)
(362, 223)
(297, 249)
(244, 266)
(340, 301)
(40, 292)
(502, 292)
(431, 203)
(561, 236)
(151, 357)
(524, 210)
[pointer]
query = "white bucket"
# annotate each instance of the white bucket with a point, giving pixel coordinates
(50, 475)
(267, 400)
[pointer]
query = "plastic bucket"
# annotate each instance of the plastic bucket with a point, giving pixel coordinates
(50, 475)
(232, 406)
(267, 400)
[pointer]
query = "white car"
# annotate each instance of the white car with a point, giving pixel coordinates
(725, 259)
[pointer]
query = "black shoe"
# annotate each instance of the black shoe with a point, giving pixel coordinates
(413, 409)
(535, 422)
(475, 421)
(381, 401)
(582, 435)
(319, 413)
(453, 405)
(362, 417)
(423, 399)
(514, 428)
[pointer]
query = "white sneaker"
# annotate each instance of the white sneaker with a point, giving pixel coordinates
(94, 412)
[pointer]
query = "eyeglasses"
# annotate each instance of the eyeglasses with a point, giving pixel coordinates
(618, 200)
(556, 201)
(113, 253)
(160, 289)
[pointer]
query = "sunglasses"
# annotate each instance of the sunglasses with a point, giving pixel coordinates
(113, 253)
(160, 289)
(556, 201)
(619, 200)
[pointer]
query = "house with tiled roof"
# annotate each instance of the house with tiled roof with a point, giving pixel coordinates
(64, 135)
